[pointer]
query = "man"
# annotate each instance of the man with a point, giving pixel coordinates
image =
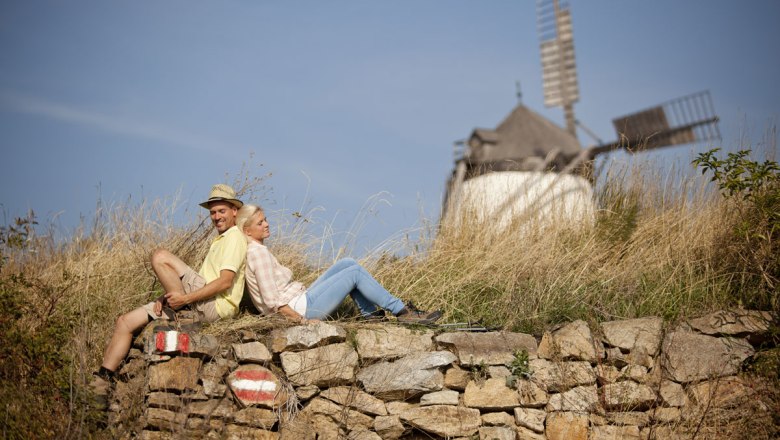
(215, 292)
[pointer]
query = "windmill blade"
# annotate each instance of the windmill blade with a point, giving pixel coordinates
(680, 121)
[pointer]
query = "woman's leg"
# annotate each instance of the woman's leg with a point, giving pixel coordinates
(324, 297)
(336, 268)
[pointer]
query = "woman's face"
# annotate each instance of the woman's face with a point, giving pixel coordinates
(257, 227)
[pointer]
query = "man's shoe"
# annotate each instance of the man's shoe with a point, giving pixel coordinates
(412, 315)
(375, 316)
(101, 390)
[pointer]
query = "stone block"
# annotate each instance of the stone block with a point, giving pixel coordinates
(169, 401)
(492, 394)
(456, 378)
(164, 419)
(608, 432)
(304, 337)
(496, 433)
(444, 420)
(443, 397)
(573, 341)
(354, 398)
(256, 417)
(532, 419)
(531, 394)
(492, 348)
(236, 432)
(390, 342)
(635, 334)
(561, 376)
(179, 374)
(498, 419)
(629, 418)
(323, 366)
(409, 376)
(252, 352)
(389, 427)
(566, 426)
(672, 393)
(628, 396)
(216, 408)
(256, 385)
(691, 356)
(578, 399)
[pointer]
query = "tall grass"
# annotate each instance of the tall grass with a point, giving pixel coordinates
(653, 250)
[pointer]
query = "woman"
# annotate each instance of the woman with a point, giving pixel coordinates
(272, 289)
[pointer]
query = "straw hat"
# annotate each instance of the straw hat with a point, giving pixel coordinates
(222, 193)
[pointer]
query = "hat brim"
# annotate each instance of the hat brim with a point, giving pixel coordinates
(235, 202)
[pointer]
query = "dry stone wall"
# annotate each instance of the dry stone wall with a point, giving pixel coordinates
(629, 379)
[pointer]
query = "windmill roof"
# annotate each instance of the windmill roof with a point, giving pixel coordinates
(525, 133)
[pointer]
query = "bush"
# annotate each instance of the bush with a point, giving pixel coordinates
(750, 251)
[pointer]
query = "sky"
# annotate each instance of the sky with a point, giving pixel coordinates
(351, 106)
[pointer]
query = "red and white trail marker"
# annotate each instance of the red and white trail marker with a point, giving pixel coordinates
(256, 385)
(168, 341)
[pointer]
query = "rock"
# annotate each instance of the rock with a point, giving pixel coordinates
(524, 433)
(531, 394)
(342, 416)
(363, 434)
(396, 407)
(256, 385)
(390, 342)
(256, 417)
(492, 348)
(614, 432)
(324, 366)
(456, 378)
(735, 322)
(532, 419)
(690, 356)
(607, 373)
(157, 435)
(204, 425)
(579, 399)
(493, 394)
(499, 371)
(672, 393)
(204, 345)
(566, 426)
(178, 374)
(389, 427)
(443, 397)
(219, 408)
(409, 376)
(665, 415)
(212, 376)
(444, 420)
(633, 334)
(213, 389)
(726, 392)
(560, 376)
(252, 352)
(498, 419)
(354, 398)
(615, 357)
(306, 336)
(306, 392)
(629, 418)
(164, 419)
(636, 373)
(235, 432)
(496, 433)
(168, 401)
(628, 395)
(572, 341)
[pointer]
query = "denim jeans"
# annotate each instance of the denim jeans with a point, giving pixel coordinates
(347, 277)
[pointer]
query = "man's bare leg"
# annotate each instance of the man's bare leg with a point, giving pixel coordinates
(126, 325)
(169, 269)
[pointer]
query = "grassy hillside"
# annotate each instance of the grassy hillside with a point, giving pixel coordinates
(658, 246)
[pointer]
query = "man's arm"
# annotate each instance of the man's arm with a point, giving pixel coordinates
(179, 299)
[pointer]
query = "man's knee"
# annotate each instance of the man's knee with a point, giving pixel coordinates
(160, 256)
(132, 321)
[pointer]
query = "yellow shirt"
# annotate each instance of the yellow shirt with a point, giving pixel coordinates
(227, 252)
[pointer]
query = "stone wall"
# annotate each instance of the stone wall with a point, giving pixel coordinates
(624, 379)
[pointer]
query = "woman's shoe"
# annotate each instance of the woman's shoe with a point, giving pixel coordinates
(412, 315)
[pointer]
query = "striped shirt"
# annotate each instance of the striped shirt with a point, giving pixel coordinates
(269, 283)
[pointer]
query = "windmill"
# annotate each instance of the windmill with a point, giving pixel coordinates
(528, 163)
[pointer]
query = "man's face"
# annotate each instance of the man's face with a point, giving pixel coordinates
(223, 215)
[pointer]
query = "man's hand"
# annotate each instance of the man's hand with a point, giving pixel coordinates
(158, 305)
(176, 300)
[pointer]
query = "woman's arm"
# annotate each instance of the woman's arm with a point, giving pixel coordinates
(261, 263)
(292, 315)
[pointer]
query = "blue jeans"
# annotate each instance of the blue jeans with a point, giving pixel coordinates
(347, 277)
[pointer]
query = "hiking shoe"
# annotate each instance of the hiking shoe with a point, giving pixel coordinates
(412, 315)
(375, 316)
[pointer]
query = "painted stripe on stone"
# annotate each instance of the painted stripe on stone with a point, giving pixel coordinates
(168, 341)
(254, 396)
(254, 385)
(252, 374)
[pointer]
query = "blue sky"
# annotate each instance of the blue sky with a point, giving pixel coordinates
(339, 100)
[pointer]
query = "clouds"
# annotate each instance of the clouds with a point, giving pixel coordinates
(109, 123)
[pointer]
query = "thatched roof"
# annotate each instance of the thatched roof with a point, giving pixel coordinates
(523, 134)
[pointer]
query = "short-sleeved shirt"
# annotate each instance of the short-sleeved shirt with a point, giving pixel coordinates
(227, 252)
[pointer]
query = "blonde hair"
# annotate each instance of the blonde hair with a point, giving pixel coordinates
(245, 213)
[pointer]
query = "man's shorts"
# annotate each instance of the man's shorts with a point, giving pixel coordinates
(191, 281)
